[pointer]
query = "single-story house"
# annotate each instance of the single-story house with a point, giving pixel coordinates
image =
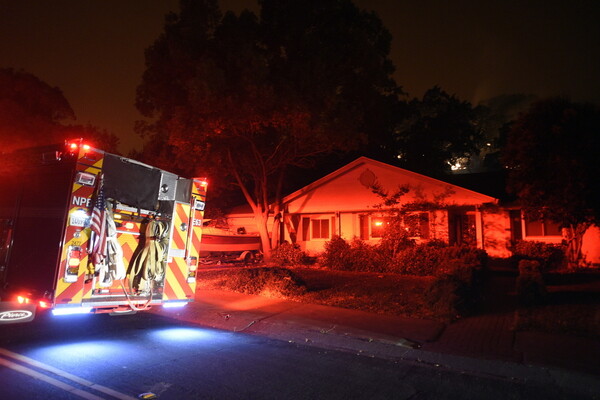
(343, 203)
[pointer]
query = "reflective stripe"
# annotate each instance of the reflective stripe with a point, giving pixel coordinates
(74, 293)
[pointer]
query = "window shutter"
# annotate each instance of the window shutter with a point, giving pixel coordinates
(333, 228)
(364, 227)
(305, 228)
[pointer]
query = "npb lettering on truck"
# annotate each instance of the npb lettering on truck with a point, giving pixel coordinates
(85, 231)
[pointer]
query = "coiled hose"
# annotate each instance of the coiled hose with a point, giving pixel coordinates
(149, 264)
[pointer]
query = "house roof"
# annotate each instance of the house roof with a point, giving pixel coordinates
(368, 161)
(487, 186)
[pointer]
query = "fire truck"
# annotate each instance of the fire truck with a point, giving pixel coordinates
(86, 231)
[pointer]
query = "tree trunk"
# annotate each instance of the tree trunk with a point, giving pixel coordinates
(275, 236)
(261, 223)
(574, 235)
(259, 205)
(277, 215)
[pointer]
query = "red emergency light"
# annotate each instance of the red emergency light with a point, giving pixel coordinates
(75, 145)
(44, 304)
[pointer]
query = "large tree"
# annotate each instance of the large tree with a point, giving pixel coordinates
(552, 156)
(253, 96)
(439, 131)
(31, 111)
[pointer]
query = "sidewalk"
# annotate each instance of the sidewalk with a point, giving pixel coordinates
(481, 345)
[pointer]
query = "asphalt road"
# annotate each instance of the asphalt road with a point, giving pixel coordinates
(98, 356)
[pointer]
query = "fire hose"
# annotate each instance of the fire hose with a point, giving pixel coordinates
(115, 268)
(149, 264)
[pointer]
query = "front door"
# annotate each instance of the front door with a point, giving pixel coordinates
(463, 230)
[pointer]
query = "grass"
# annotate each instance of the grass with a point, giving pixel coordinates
(572, 305)
(373, 292)
(578, 319)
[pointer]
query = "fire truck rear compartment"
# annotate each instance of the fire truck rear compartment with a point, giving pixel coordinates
(36, 212)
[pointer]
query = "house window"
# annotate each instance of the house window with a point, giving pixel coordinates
(541, 228)
(378, 225)
(320, 228)
(417, 225)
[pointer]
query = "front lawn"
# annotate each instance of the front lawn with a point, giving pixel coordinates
(391, 294)
(572, 308)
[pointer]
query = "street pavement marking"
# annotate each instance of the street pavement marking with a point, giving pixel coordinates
(60, 373)
(47, 379)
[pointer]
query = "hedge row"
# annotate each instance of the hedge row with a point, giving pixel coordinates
(551, 257)
(432, 258)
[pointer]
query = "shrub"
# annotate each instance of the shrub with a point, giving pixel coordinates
(364, 257)
(288, 254)
(395, 239)
(452, 293)
(550, 256)
(336, 254)
(417, 260)
(354, 256)
(279, 282)
(531, 288)
(421, 260)
(434, 259)
(468, 256)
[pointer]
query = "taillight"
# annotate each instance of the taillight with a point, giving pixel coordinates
(23, 300)
(44, 304)
(73, 261)
(192, 263)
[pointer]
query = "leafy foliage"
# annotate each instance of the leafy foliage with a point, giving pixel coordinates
(32, 113)
(531, 288)
(289, 254)
(427, 259)
(551, 154)
(439, 131)
(354, 256)
(267, 281)
(244, 98)
(436, 258)
(551, 257)
(337, 254)
(453, 292)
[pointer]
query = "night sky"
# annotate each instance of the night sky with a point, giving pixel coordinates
(94, 49)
